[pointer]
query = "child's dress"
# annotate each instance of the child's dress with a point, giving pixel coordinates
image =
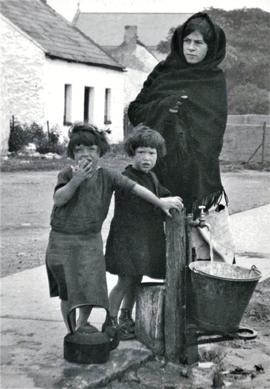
(136, 241)
(74, 258)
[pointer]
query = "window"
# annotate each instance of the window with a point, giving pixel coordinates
(67, 105)
(107, 110)
(88, 104)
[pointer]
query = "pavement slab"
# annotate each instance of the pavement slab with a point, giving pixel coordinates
(32, 330)
(251, 232)
(32, 357)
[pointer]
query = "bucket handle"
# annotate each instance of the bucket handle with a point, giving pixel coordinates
(199, 271)
(254, 269)
(246, 333)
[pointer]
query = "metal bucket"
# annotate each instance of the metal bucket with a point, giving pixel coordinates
(220, 293)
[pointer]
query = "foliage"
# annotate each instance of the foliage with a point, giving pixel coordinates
(164, 46)
(247, 60)
(50, 143)
(17, 137)
(116, 149)
(248, 97)
(23, 134)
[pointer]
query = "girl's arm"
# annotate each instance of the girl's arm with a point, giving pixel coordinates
(80, 173)
(65, 193)
(165, 203)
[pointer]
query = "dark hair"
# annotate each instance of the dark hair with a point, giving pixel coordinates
(143, 136)
(87, 134)
(202, 25)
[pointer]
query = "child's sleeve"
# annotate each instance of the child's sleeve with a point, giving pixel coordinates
(122, 183)
(64, 176)
(164, 192)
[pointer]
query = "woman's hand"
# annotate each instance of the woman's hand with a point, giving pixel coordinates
(175, 108)
(171, 202)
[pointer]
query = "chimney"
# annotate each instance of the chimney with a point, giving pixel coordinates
(130, 36)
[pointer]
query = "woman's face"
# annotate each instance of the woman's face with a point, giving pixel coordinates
(194, 47)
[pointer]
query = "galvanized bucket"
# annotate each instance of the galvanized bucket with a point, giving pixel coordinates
(220, 294)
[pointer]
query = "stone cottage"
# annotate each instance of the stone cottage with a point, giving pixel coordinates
(54, 74)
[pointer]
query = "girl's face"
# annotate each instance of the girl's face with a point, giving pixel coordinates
(89, 153)
(145, 158)
(194, 47)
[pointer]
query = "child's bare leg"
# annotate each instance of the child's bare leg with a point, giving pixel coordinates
(84, 313)
(65, 308)
(117, 294)
(129, 298)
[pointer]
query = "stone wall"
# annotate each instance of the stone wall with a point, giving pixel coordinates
(243, 135)
(22, 70)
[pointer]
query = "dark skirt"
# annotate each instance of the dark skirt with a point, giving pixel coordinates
(76, 269)
(137, 248)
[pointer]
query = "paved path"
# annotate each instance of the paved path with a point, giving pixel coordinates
(251, 232)
(32, 329)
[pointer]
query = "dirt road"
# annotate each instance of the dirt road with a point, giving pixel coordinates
(27, 201)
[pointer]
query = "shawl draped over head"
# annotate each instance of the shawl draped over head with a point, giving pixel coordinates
(193, 132)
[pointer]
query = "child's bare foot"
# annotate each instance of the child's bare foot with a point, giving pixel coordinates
(86, 328)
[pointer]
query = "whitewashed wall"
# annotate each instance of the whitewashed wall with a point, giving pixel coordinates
(58, 73)
(22, 75)
(32, 86)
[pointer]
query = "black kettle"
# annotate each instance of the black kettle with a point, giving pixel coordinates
(89, 345)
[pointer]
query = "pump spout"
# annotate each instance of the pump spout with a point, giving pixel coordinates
(201, 221)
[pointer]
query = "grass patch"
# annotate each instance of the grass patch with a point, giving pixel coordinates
(20, 163)
(27, 163)
(116, 159)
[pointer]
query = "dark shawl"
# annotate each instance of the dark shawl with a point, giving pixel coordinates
(194, 135)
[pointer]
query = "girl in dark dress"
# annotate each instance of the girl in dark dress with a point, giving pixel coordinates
(185, 100)
(136, 241)
(74, 257)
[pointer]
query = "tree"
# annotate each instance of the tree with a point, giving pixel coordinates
(164, 46)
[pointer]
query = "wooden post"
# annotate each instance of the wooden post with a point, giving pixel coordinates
(263, 143)
(13, 122)
(191, 339)
(48, 128)
(175, 309)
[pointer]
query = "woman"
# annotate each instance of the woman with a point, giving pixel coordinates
(184, 98)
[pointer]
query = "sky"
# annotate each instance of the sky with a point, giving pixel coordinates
(68, 8)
